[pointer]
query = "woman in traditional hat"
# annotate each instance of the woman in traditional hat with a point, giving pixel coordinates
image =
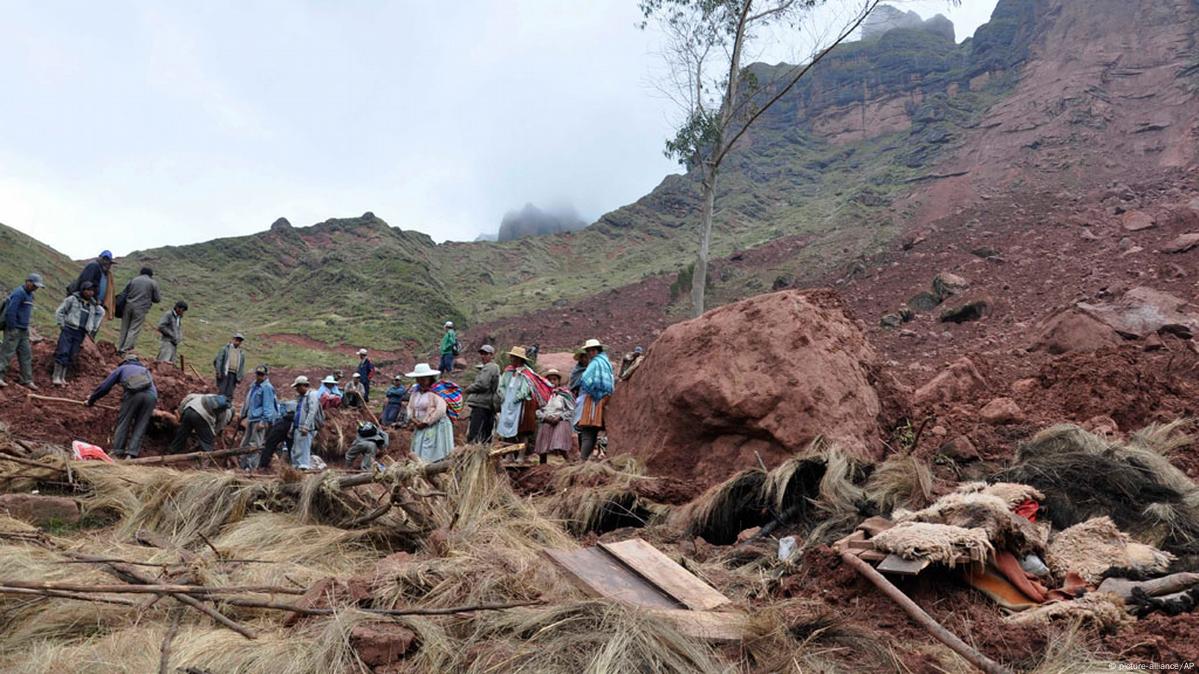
(596, 385)
(433, 439)
(555, 434)
(523, 392)
(328, 393)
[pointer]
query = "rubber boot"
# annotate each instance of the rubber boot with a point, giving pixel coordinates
(60, 375)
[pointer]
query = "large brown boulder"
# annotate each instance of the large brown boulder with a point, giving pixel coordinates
(761, 377)
(1073, 330)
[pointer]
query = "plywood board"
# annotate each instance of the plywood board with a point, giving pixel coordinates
(903, 567)
(599, 574)
(710, 625)
(662, 571)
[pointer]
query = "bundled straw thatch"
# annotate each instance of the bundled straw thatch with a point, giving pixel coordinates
(600, 496)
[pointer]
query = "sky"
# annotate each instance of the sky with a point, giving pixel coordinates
(134, 124)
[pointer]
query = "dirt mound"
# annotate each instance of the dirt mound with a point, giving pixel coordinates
(761, 377)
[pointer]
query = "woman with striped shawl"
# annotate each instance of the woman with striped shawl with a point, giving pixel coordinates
(595, 386)
(523, 391)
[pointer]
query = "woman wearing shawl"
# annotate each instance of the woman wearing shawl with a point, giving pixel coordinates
(396, 396)
(595, 387)
(523, 392)
(555, 433)
(433, 438)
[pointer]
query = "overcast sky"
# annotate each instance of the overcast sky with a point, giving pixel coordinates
(130, 125)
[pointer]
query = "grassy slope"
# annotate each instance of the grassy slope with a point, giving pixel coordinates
(22, 255)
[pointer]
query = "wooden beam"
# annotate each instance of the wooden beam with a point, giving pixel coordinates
(662, 571)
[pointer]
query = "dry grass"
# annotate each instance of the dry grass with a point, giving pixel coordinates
(901, 481)
(600, 496)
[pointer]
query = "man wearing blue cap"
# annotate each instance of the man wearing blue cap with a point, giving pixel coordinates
(99, 272)
(206, 415)
(18, 310)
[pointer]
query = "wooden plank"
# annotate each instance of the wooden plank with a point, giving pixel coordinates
(875, 525)
(903, 567)
(599, 574)
(859, 545)
(662, 572)
(709, 625)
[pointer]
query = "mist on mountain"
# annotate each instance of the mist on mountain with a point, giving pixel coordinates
(533, 221)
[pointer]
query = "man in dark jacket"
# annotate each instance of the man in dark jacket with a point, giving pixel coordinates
(230, 366)
(480, 397)
(137, 404)
(99, 272)
(366, 370)
(278, 436)
(17, 315)
(206, 415)
(170, 330)
(140, 294)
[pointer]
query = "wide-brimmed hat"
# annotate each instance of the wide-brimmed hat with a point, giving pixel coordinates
(519, 352)
(487, 348)
(361, 352)
(329, 380)
(552, 372)
(423, 370)
(357, 376)
(300, 381)
(592, 344)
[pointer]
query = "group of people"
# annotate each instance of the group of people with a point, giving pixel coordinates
(544, 412)
(90, 299)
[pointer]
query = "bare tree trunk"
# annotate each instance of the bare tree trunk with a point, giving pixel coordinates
(699, 279)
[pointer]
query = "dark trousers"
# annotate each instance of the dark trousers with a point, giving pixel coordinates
(16, 341)
(277, 437)
(132, 421)
(482, 421)
(587, 439)
(226, 386)
(447, 364)
(70, 340)
(191, 421)
(366, 390)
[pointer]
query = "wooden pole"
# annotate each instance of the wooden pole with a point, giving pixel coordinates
(147, 588)
(66, 595)
(926, 621)
(178, 458)
(279, 606)
(54, 399)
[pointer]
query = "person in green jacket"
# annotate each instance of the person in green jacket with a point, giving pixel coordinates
(449, 349)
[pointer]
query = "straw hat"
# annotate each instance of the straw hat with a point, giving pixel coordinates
(592, 344)
(423, 370)
(553, 372)
(329, 380)
(519, 352)
(300, 381)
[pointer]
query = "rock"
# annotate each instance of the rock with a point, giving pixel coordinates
(960, 449)
(924, 301)
(907, 333)
(891, 321)
(281, 225)
(960, 380)
(40, 510)
(1001, 411)
(381, 643)
(710, 392)
(1182, 243)
(947, 285)
(1023, 387)
(1072, 330)
(966, 311)
(1153, 342)
(939, 431)
(1135, 221)
(328, 592)
(1088, 235)
(1141, 311)
(748, 534)
(985, 252)
(1102, 425)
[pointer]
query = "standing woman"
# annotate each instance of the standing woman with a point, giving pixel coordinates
(396, 396)
(433, 439)
(595, 387)
(555, 435)
(522, 391)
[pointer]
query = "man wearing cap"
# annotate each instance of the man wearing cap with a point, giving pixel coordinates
(480, 397)
(170, 329)
(596, 385)
(230, 366)
(355, 393)
(393, 410)
(138, 400)
(78, 316)
(306, 423)
(261, 408)
(17, 314)
(140, 294)
(99, 272)
(449, 349)
(366, 370)
(328, 394)
(205, 415)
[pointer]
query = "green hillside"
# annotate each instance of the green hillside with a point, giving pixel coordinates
(22, 255)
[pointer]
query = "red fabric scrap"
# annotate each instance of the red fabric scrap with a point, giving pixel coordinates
(1028, 510)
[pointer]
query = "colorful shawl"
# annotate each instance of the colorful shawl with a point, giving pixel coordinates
(452, 394)
(540, 388)
(597, 380)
